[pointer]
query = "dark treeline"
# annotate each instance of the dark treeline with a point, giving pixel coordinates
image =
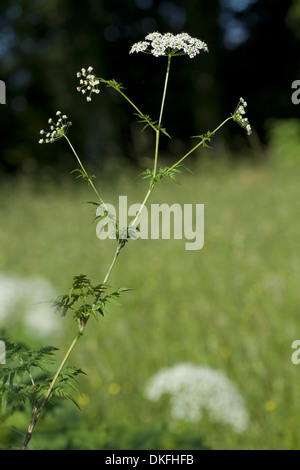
(253, 48)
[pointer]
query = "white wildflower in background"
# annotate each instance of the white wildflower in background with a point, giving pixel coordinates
(239, 116)
(167, 44)
(57, 129)
(193, 389)
(88, 82)
(26, 301)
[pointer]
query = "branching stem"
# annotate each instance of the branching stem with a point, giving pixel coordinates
(36, 412)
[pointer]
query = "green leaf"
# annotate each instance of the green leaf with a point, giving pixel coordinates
(146, 174)
(124, 289)
(100, 217)
(16, 378)
(93, 202)
(83, 174)
(145, 118)
(205, 137)
(114, 84)
(163, 130)
(4, 397)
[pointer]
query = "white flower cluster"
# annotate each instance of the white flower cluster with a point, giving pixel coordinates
(166, 44)
(25, 301)
(239, 116)
(57, 130)
(89, 82)
(193, 389)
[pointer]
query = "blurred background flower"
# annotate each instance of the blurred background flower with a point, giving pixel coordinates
(28, 301)
(195, 389)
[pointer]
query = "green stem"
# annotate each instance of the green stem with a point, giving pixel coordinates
(157, 131)
(127, 99)
(39, 411)
(84, 171)
(195, 148)
(143, 204)
(118, 249)
(170, 169)
(63, 362)
(165, 90)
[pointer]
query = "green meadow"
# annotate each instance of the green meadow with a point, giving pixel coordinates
(232, 306)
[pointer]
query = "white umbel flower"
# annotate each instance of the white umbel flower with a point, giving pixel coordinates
(57, 129)
(169, 44)
(88, 82)
(193, 389)
(239, 116)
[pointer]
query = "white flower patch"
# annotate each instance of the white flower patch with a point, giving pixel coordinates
(193, 389)
(28, 302)
(88, 82)
(239, 116)
(57, 129)
(169, 44)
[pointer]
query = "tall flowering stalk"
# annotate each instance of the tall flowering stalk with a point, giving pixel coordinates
(159, 45)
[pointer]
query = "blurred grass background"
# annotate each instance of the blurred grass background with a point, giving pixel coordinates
(233, 306)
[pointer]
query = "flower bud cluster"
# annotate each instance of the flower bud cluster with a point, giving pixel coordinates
(239, 116)
(57, 130)
(88, 82)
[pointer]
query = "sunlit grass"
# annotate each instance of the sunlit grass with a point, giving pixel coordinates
(232, 306)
